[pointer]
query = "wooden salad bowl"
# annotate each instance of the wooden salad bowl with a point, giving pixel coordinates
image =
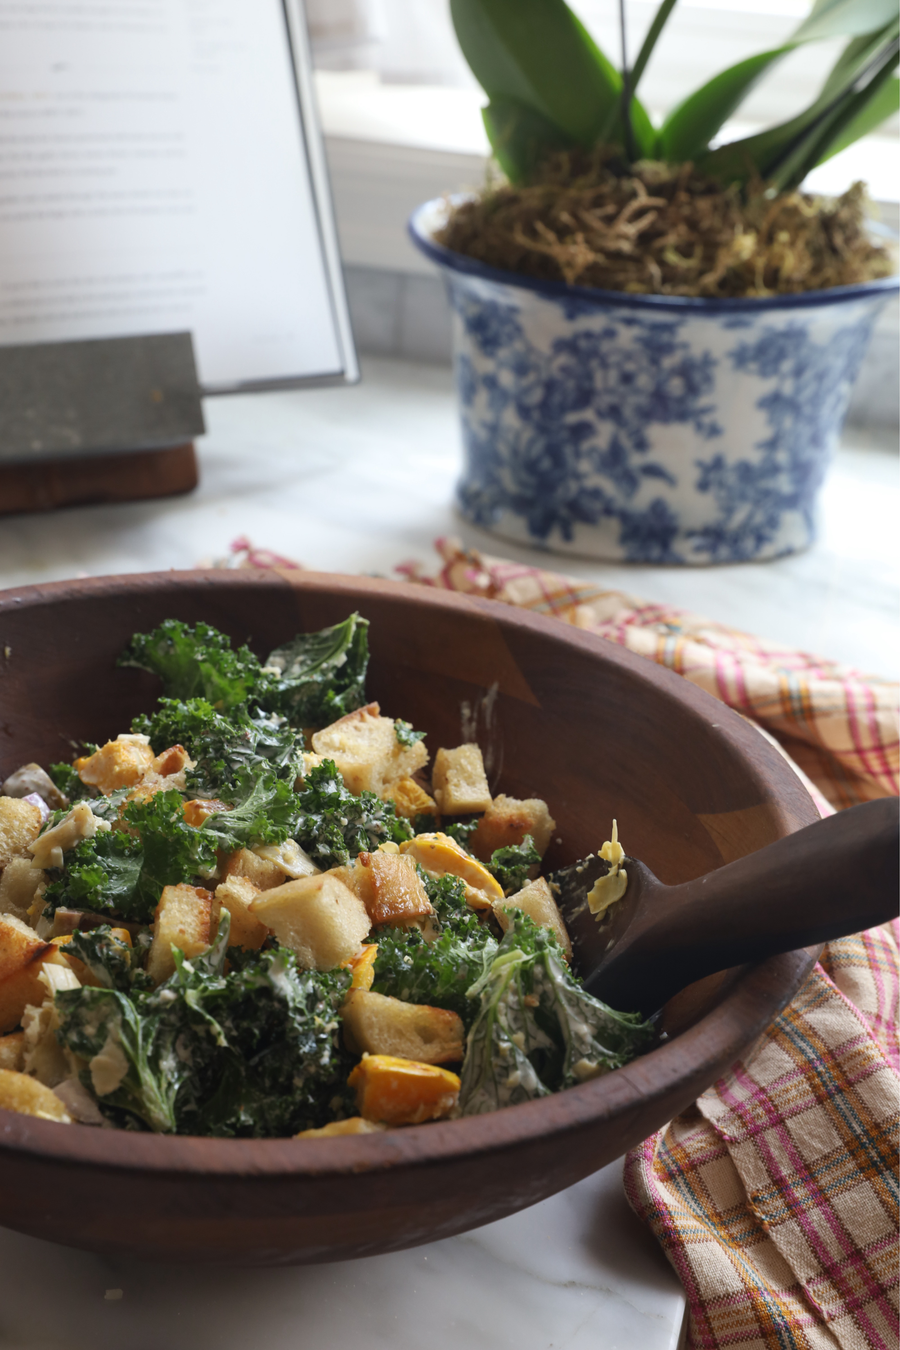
(594, 730)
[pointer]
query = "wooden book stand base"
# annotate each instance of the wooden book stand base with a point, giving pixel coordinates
(97, 479)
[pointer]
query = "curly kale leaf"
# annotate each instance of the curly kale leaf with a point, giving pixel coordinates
(536, 1029)
(70, 785)
(405, 734)
(320, 676)
(333, 826)
(264, 810)
(510, 865)
(196, 662)
(114, 963)
(460, 831)
(101, 874)
(173, 850)
(223, 746)
(255, 1052)
(440, 972)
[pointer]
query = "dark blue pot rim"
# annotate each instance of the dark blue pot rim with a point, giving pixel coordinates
(460, 262)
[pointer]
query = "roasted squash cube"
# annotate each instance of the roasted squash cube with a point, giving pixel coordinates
(362, 967)
(117, 764)
(319, 918)
(379, 1025)
(402, 1091)
(186, 917)
(236, 894)
(410, 799)
(459, 782)
(536, 900)
(391, 889)
(19, 1092)
(365, 748)
(507, 821)
(439, 854)
(20, 824)
(355, 1125)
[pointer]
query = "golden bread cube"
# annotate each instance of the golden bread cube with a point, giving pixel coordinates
(186, 917)
(379, 1025)
(263, 872)
(390, 888)
(355, 1125)
(362, 967)
(319, 918)
(236, 894)
(26, 1095)
(410, 799)
(12, 1050)
(536, 900)
(365, 748)
(22, 955)
(507, 821)
(18, 882)
(459, 783)
(117, 764)
(438, 853)
(402, 1091)
(200, 809)
(20, 824)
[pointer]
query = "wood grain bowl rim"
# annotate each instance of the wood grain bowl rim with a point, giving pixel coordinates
(694, 1057)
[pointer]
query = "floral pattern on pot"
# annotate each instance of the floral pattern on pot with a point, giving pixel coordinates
(650, 433)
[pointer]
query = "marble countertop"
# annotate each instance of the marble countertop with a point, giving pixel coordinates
(358, 480)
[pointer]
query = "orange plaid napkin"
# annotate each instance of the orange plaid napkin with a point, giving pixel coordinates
(775, 1195)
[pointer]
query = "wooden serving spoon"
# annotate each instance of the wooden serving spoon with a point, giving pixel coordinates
(835, 877)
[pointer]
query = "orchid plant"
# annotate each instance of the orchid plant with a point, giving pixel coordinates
(550, 87)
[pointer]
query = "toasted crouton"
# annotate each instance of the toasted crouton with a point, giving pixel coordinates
(18, 882)
(20, 824)
(459, 782)
(22, 957)
(507, 821)
(536, 900)
(263, 872)
(236, 894)
(117, 764)
(26, 1095)
(390, 888)
(379, 1025)
(365, 748)
(186, 917)
(12, 1050)
(402, 1091)
(319, 918)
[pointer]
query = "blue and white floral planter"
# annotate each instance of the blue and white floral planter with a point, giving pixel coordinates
(642, 428)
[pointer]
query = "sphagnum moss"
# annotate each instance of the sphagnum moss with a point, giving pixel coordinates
(659, 229)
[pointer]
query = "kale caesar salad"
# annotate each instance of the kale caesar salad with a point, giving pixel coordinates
(258, 913)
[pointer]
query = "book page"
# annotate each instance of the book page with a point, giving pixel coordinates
(154, 178)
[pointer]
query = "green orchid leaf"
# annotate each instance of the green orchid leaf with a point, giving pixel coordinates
(844, 18)
(520, 137)
(789, 142)
(659, 22)
(536, 53)
(689, 128)
(874, 110)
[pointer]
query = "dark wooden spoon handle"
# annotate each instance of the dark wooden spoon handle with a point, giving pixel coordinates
(838, 876)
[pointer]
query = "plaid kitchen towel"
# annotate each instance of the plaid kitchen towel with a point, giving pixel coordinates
(775, 1195)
